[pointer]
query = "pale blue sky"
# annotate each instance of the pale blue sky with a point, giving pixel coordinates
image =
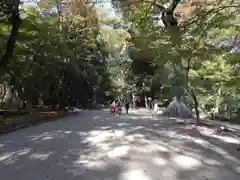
(104, 6)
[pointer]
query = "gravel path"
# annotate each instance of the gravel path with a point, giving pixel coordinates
(99, 146)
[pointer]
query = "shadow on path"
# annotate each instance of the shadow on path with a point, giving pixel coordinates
(100, 146)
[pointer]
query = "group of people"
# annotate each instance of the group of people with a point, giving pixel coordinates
(117, 105)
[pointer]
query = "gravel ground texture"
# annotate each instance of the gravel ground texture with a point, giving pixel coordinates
(96, 145)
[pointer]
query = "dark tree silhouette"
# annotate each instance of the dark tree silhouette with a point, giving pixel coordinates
(12, 11)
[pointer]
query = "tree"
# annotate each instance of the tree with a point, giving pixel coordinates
(10, 14)
(56, 57)
(187, 37)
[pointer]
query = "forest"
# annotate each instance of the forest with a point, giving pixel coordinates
(69, 52)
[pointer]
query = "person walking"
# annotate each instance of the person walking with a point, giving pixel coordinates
(118, 104)
(127, 104)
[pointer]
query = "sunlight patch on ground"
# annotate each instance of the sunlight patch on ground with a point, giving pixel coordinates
(23, 151)
(67, 132)
(5, 156)
(135, 136)
(159, 161)
(232, 158)
(175, 135)
(169, 174)
(99, 159)
(49, 135)
(11, 157)
(106, 145)
(162, 148)
(227, 139)
(137, 128)
(133, 117)
(91, 162)
(134, 175)
(151, 148)
(97, 164)
(147, 117)
(41, 136)
(98, 137)
(212, 162)
(237, 169)
(200, 141)
(206, 130)
(106, 128)
(122, 124)
(40, 156)
(135, 145)
(119, 133)
(185, 162)
(110, 146)
(119, 151)
(159, 112)
(212, 133)
(96, 117)
(83, 134)
(47, 138)
(224, 153)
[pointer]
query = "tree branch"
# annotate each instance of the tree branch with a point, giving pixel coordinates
(214, 10)
(16, 21)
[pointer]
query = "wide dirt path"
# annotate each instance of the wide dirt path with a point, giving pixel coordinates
(98, 146)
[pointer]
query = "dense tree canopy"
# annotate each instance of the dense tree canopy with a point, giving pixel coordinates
(193, 55)
(60, 53)
(57, 59)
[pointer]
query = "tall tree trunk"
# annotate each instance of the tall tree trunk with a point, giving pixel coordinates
(146, 101)
(4, 91)
(16, 21)
(196, 104)
(177, 106)
(191, 91)
(218, 100)
(18, 88)
(52, 97)
(21, 95)
(134, 100)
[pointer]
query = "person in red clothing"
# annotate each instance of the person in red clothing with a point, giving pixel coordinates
(113, 107)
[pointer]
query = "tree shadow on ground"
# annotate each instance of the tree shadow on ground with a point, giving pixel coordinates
(102, 146)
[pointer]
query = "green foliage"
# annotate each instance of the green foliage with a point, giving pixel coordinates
(61, 60)
(57, 62)
(196, 56)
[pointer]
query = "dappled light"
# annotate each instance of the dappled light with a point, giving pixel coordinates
(11, 157)
(185, 162)
(39, 156)
(121, 148)
(160, 161)
(225, 138)
(134, 174)
(96, 117)
(117, 90)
